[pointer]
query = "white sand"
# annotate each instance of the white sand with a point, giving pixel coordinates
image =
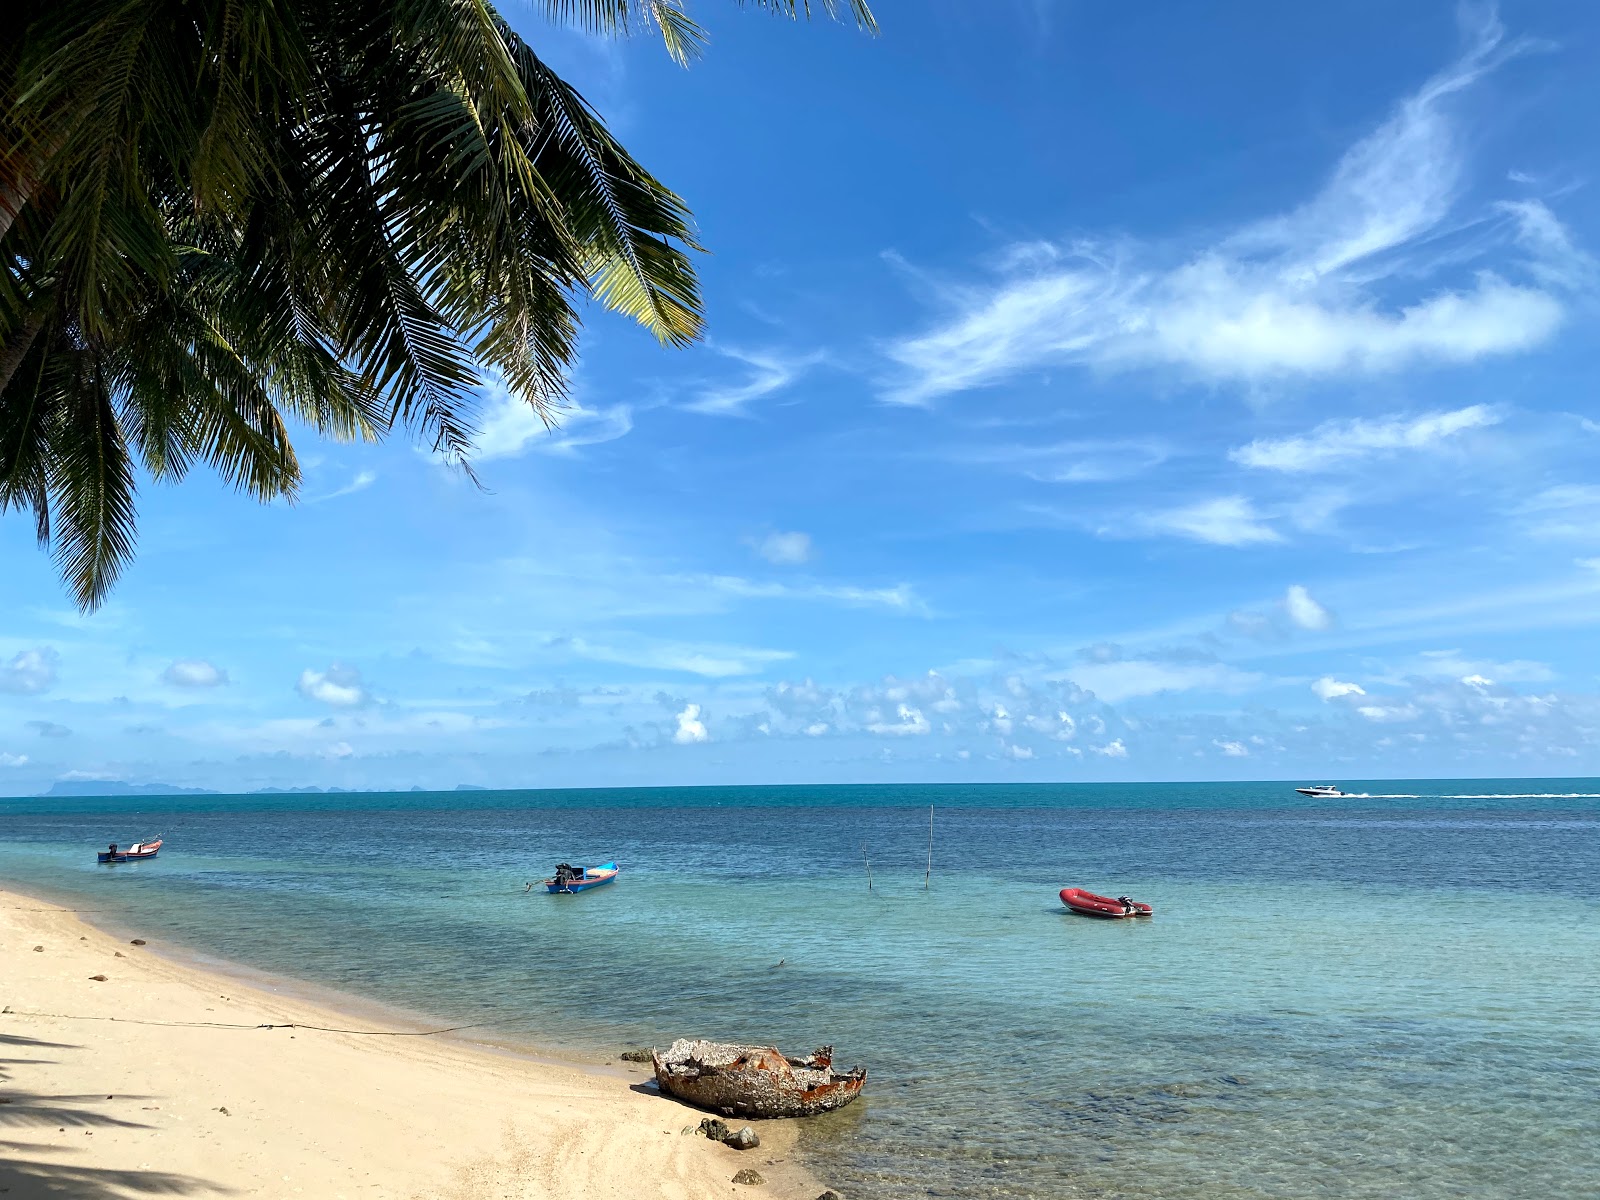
(116, 1109)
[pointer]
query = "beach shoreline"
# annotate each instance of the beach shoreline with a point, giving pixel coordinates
(159, 1078)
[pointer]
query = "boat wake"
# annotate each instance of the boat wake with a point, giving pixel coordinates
(1472, 796)
(1524, 796)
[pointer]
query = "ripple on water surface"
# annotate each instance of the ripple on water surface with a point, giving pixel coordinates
(1363, 1002)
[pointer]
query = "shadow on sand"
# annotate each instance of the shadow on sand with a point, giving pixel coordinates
(31, 1113)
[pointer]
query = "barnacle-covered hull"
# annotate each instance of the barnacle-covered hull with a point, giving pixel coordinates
(754, 1081)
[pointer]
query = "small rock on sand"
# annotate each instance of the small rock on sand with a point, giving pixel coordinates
(98, 978)
(714, 1129)
(137, 942)
(120, 954)
(830, 1194)
(750, 1178)
(38, 949)
(640, 1056)
(743, 1139)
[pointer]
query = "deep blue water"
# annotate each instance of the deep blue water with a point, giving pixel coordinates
(1394, 995)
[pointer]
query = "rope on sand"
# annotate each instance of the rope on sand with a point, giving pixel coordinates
(9, 1011)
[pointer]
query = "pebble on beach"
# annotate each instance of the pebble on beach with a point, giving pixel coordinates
(98, 978)
(743, 1139)
(750, 1178)
(137, 942)
(638, 1056)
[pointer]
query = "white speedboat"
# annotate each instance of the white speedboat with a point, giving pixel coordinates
(1323, 790)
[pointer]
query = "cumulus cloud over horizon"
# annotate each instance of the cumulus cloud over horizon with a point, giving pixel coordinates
(340, 686)
(30, 672)
(194, 673)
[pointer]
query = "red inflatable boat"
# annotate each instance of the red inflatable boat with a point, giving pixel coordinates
(1091, 905)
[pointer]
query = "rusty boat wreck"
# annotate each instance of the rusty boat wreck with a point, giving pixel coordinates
(754, 1081)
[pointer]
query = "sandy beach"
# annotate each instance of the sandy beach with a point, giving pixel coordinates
(100, 1108)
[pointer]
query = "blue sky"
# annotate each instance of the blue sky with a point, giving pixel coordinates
(1091, 392)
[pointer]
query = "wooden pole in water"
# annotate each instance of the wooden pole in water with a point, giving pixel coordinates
(928, 874)
(868, 861)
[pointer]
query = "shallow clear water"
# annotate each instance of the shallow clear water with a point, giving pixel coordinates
(1368, 997)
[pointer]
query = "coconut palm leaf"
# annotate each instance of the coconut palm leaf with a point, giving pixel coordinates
(218, 217)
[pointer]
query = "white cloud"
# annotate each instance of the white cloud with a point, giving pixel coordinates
(1452, 664)
(1087, 460)
(1231, 749)
(509, 426)
(902, 597)
(339, 750)
(816, 729)
(785, 549)
(362, 481)
(339, 686)
(712, 661)
(1124, 679)
(30, 672)
(1341, 285)
(1224, 521)
(13, 760)
(1564, 511)
(194, 673)
(1335, 443)
(1304, 610)
(1112, 749)
(910, 721)
(1389, 712)
(769, 372)
(1330, 688)
(690, 727)
(1020, 753)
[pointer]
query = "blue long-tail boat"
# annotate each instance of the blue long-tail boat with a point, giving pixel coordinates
(569, 878)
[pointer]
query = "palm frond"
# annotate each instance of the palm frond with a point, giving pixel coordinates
(91, 485)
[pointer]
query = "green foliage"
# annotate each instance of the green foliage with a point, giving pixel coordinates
(220, 215)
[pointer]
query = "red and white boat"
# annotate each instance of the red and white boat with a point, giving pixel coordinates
(133, 853)
(1091, 905)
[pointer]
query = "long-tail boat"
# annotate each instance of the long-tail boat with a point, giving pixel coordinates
(133, 853)
(569, 878)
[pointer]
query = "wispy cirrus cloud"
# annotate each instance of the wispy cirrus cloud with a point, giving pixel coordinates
(902, 597)
(784, 549)
(360, 482)
(1075, 460)
(769, 371)
(1220, 521)
(714, 661)
(1355, 281)
(1337, 443)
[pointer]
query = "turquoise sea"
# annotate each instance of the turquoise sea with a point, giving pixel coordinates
(1393, 995)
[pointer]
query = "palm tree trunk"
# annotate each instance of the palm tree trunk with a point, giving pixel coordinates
(11, 357)
(14, 194)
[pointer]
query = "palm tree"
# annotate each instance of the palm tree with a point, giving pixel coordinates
(222, 217)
